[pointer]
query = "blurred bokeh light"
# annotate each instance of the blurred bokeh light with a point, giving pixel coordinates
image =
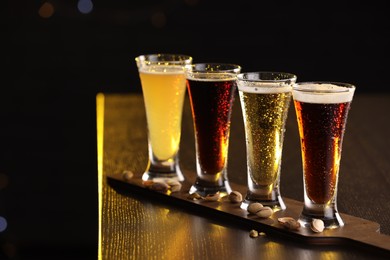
(85, 6)
(46, 10)
(3, 224)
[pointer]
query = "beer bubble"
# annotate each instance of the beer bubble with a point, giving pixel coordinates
(265, 116)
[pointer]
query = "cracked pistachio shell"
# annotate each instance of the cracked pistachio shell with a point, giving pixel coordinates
(235, 197)
(317, 225)
(289, 223)
(194, 196)
(159, 186)
(265, 212)
(212, 197)
(253, 233)
(253, 208)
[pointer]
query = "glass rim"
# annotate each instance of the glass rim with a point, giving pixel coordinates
(289, 77)
(313, 87)
(215, 68)
(162, 59)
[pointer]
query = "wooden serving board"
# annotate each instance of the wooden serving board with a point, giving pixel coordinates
(357, 231)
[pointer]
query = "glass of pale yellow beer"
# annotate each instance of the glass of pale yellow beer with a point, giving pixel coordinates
(163, 87)
(265, 99)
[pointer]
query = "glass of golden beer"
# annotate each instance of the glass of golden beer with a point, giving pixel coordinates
(163, 87)
(211, 88)
(265, 99)
(322, 110)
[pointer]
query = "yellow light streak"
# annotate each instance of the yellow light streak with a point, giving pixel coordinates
(100, 138)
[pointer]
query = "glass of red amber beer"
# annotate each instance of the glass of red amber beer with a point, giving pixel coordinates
(265, 99)
(212, 89)
(322, 110)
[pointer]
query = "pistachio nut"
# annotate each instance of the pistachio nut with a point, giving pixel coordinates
(235, 197)
(289, 223)
(254, 207)
(317, 225)
(212, 197)
(265, 212)
(159, 186)
(127, 175)
(253, 233)
(194, 196)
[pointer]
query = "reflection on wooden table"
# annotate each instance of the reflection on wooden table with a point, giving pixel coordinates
(135, 224)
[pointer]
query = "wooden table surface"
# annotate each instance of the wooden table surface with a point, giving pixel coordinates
(137, 224)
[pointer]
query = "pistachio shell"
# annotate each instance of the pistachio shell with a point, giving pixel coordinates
(317, 225)
(265, 212)
(194, 196)
(254, 207)
(212, 197)
(148, 183)
(253, 233)
(289, 223)
(235, 197)
(284, 219)
(159, 186)
(292, 224)
(127, 175)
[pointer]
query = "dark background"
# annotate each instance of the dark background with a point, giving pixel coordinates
(53, 68)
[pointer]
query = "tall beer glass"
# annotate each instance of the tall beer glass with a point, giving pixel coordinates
(163, 86)
(322, 111)
(265, 99)
(212, 89)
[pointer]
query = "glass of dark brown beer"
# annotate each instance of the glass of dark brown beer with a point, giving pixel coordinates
(211, 88)
(322, 111)
(265, 99)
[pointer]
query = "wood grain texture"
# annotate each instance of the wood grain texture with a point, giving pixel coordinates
(135, 225)
(356, 231)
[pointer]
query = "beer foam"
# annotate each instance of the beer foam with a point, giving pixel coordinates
(323, 93)
(263, 87)
(162, 69)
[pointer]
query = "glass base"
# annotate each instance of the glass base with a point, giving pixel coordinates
(204, 189)
(329, 222)
(163, 176)
(163, 170)
(275, 205)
